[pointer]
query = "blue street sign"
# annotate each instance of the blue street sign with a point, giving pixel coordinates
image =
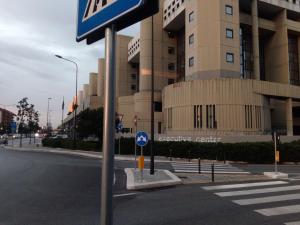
(13, 127)
(120, 127)
(141, 138)
(95, 15)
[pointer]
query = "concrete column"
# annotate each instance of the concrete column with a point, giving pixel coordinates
(101, 74)
(289, 116)
(93, 84)
(255, 40)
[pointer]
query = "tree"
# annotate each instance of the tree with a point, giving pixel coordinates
(90, 123)
(27, 118)
(33, 121)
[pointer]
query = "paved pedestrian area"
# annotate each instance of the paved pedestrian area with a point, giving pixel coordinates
(219, 168)
(271, 199)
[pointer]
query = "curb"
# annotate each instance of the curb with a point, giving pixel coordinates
(79, 153)
(132, 185)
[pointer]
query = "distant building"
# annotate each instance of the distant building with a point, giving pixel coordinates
(6, 117)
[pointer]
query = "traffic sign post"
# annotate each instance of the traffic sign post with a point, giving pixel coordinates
(276, 140)
(141, 140)
(135, 125)
(98, 19)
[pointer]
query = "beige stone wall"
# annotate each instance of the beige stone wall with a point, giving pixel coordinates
(211, 45)
(93, 84)
(161, 57)
(230, 97)
(100, 79)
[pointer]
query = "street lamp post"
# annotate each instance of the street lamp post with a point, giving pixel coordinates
(48, 115)
(75, 104)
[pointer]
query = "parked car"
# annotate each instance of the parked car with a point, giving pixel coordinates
(3, 141)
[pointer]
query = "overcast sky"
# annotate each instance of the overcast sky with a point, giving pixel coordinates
(31, 33)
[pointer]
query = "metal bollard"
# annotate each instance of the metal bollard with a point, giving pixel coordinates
(213, 172)
(199, 165)
(170, 155)
(189, 156)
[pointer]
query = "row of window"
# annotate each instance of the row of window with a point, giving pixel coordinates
(229, 59)
(253, 117)
(211, 122)
(174, 5)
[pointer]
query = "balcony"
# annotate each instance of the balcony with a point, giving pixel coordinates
(134, 50)
(174, 15)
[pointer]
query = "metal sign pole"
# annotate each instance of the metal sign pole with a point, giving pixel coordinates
(275, 144)
(135, 146)
(108, 129)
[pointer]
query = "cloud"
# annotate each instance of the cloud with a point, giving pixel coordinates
(32, 32)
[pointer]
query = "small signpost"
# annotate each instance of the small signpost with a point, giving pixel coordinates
(135, 120)
(141, 140)
(98, 19)
(276, 140)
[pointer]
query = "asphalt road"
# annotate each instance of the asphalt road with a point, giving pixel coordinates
(50, 189)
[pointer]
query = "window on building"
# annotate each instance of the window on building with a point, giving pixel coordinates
(228, 10)
(171, 81)
(171, 50)
(191, 62)
(157, 106)
(133, 87)
(133, 76)
(171, 66)
(294, 60)
(191, 16)
(229, 33)
(198, 116)
(169, 118)
(211, 122)
(248, 117)
(191, 39)
(229, 57)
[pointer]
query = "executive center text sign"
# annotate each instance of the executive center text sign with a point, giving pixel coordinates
(95, 15)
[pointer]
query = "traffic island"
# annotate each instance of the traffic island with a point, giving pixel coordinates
(276, 175)
(137, 180)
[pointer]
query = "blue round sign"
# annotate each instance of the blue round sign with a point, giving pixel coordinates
(141, 138)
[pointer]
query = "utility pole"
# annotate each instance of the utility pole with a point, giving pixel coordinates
(48, 130)
(152, 103)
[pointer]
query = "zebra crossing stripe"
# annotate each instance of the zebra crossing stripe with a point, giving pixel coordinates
(258, 191)
(232, 186)
(293, 223)
(209, 171)
(279, 210)
(279, 198)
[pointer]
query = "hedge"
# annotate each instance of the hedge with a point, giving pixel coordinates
(257, 152)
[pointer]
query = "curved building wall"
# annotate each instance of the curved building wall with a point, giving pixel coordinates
(217, 106)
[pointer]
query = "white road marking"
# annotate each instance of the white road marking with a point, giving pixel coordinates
(293, 223)
(209, 171)
(258, 191)
(279, 210)
(124, 195)
(279, 198)
(220, 187)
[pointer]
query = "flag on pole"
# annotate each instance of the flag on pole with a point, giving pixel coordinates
(63, 104)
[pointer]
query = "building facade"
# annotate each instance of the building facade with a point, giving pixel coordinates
(221, 67)
(6, 118)
(226, 67)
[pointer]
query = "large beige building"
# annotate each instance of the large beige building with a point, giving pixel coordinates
(221, 67)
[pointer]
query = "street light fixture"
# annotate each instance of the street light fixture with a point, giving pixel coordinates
(75, 104)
